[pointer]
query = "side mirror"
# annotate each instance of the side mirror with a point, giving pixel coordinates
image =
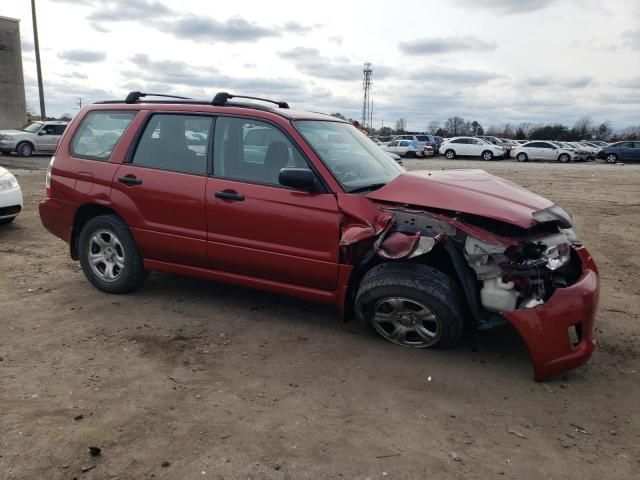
(299, 178)
(41, 133)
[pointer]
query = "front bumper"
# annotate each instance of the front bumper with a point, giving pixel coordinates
(10, 202)
(7, 144)
(545, 329)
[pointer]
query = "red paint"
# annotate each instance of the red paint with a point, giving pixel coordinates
(298, 243)
(468, 191)
(545, 328)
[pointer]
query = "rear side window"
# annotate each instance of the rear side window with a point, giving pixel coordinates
(99, 134)
(175, 142)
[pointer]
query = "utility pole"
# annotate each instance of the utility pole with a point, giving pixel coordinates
(80, 103)
(36, 44)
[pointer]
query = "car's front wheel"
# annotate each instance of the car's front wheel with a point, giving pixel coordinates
(522, 157)
(109, 256)
(564, 158)
(611, 158)
(450, 154)
(411, 305)
(487, 155)
(24, 149)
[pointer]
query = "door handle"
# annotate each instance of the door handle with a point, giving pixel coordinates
(227, 195)
(130, 180)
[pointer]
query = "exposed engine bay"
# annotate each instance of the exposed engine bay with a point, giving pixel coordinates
(515, 268)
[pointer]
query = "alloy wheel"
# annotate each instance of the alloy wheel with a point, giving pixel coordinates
(106, 255)
(406, 322)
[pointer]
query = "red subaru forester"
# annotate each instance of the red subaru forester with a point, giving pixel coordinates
(304, 204)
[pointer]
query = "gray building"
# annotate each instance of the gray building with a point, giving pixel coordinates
(13, 106)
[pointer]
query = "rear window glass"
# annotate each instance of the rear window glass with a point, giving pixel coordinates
(99, 134)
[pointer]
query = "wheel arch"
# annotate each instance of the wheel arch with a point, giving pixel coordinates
(444, 257)
(83, 214)
(33, 146)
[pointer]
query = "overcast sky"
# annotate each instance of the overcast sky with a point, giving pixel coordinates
(494, 61)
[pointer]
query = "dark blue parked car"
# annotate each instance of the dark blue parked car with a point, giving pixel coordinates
(627, 151)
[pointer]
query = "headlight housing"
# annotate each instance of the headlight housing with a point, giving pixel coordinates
(557, 255)
(6, 137)
(8, 181)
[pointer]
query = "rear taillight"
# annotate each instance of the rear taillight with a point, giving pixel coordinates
(47, 181)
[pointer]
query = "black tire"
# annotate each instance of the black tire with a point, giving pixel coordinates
(414, 283)
(4, 221)
(564, 158)
(522, 157)
(611, 158)
(24, 149)
(487, 155)
(410, 154)
(450, 154)
(129, 277)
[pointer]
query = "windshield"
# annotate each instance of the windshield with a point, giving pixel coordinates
(32, 127)
(354, 160)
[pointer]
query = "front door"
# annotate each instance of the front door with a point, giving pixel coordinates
(47, 138)
(161, 190)
(257, 227)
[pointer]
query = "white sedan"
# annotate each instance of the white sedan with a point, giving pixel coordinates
(547, 150)
(10, 196)
(472, 147)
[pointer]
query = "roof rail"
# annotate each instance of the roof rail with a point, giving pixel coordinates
(222, 97)
(133, 97)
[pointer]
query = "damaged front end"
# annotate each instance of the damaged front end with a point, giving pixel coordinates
(538, 278)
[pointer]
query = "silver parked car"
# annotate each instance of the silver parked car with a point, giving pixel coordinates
(34, 137)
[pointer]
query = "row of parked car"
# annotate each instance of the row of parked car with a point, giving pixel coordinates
(490, 148)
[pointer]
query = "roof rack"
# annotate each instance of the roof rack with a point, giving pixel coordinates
(133, 97)
(221, 98)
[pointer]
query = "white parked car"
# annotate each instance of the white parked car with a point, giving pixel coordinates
(544, 150)
(407, 148)
(10, 196)
(472, 147)
(34, 137)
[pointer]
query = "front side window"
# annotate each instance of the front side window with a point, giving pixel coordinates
(253, 151)
(99, 134)
(356, 162)
(178, 143)
(48, 130)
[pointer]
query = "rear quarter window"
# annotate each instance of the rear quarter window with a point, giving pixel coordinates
(99, 133)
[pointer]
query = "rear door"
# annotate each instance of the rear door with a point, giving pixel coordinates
(161, 189)
(259, 228)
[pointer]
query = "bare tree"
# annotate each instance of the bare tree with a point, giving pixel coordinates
(434, 126)
(454, 125)
(583, 127)
(401, 125)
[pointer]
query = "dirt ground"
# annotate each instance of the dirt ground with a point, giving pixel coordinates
(188, 379)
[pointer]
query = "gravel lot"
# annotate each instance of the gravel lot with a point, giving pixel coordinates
(222, 382)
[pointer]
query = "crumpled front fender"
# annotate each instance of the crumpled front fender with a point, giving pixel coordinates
(545, 328)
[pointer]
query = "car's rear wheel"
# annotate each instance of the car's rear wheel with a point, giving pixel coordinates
(564, 158)
(411, 305)
(611, 158)
(24, 149)
(450, 154)
(410, 154)
(487, 155)
(109, 256)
